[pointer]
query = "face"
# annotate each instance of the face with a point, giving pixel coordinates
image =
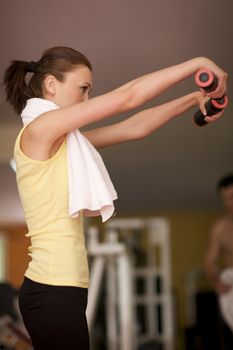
(226, 195)
(75, 88)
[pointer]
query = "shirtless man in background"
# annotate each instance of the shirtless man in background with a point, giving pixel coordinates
(220, 250)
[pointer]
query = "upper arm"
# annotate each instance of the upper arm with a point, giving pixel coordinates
(214, 246)
(53, 124)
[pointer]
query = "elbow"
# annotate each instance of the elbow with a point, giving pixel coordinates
(132, 98)
(138, 132)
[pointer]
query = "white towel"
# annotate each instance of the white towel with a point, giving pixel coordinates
(226, 299)
(90, 187)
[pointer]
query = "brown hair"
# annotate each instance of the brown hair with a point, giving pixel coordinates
(56, 61)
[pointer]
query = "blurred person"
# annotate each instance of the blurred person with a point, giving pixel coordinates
(219, 255)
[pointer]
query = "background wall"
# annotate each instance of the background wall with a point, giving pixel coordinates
(16, 254)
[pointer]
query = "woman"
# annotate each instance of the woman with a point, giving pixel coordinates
(62, 178)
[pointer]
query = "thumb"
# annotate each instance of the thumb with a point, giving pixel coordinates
(202, 108)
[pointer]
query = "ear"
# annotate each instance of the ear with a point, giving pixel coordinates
(50, 85)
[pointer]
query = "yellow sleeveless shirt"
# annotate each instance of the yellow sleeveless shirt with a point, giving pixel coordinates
(58, 253)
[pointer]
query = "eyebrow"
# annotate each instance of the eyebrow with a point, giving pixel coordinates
(90, 86)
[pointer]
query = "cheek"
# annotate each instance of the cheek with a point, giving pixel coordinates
(73, 95)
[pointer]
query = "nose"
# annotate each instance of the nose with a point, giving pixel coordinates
(85, 97)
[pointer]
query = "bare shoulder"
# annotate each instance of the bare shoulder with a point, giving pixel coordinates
(36, 146)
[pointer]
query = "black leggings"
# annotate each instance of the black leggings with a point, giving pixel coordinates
(54, 316)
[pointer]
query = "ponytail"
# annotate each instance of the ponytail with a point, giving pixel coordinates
(17, 91)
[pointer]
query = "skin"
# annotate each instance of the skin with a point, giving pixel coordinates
(221, 242)
(42, 138)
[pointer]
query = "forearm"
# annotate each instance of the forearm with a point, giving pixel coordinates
(151, 85)
(212, 274)
(145, 122)
(141, 124)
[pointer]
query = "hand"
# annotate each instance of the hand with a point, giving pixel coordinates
(214, 117)
(222, 288)
(201, 101)
(220, 74)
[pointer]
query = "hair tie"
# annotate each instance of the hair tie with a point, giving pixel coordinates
(31, 68)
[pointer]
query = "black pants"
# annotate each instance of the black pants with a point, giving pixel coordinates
(227, 336)
(54, 316)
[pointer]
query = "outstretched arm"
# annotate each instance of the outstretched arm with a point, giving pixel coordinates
(145, 122)
(52, 125)
(151, 85)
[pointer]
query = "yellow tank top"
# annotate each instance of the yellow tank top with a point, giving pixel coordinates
(58, 253)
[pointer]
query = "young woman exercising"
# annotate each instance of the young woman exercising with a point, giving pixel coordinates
(61, 178)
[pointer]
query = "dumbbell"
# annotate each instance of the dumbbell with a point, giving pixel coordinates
(206, 80)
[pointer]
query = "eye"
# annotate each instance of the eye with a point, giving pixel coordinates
(84, 89)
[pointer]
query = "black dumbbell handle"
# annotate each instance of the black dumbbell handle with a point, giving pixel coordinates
(213, 106)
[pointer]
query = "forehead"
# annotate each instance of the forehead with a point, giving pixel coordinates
(80, 73)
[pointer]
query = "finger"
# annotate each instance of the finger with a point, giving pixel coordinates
(218, 115)
(220, 90)
(203, 91)
(213, 118)
(203, 109)
(202, 105)
(216, 93)
(210, 119)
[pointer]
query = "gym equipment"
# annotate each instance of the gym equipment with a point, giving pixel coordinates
(3, 247)
(112, 257)
(206, 80)
(139, 305)
(12, 337)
